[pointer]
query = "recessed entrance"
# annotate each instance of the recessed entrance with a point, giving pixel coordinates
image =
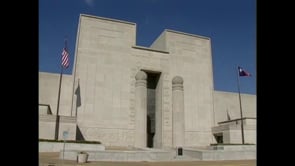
(218, 137)
(153, 106)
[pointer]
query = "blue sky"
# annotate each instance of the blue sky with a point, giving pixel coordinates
(231, 25)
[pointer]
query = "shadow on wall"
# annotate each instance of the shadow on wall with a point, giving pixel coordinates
(79, 135)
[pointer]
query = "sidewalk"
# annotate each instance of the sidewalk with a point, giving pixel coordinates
(52, 159)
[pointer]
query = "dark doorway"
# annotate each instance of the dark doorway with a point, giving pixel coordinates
(152, 81)
(219, 138)
(150, 133)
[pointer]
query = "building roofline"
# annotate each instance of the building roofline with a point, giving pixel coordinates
(108, 19)
(52, 73)
(188, 34)
(150, 49)
(236, 93)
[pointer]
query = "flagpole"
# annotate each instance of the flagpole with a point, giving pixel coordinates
(57, 110)
(63, 64)
(241, 112)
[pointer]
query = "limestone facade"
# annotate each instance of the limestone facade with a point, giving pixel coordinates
(158, 96)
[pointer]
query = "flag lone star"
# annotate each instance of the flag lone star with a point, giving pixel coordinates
(243, 72)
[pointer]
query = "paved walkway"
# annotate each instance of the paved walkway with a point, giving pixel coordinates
(52, 159)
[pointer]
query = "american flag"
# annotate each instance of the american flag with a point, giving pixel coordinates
(65, 58)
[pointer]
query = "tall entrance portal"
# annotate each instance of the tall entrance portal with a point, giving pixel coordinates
(148, 96)
(153, 108)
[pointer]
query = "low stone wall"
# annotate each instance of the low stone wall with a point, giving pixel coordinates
(233, 147)
(234, 152)
(47, 127)
(189, 154)
(229, 155)
(58, 146)
(97, 152)
(117, 155)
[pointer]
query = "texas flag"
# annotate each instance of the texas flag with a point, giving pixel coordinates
(243, 72)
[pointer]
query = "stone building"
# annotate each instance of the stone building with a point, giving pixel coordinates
(160, 96)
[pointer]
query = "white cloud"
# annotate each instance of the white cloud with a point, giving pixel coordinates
(89, 2)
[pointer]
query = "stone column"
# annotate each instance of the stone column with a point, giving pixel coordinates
(177, 112)
(141, 109)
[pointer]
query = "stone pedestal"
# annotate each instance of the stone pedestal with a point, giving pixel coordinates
(82, 157)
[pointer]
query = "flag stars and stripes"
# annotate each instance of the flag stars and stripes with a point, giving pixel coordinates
(65, 58)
